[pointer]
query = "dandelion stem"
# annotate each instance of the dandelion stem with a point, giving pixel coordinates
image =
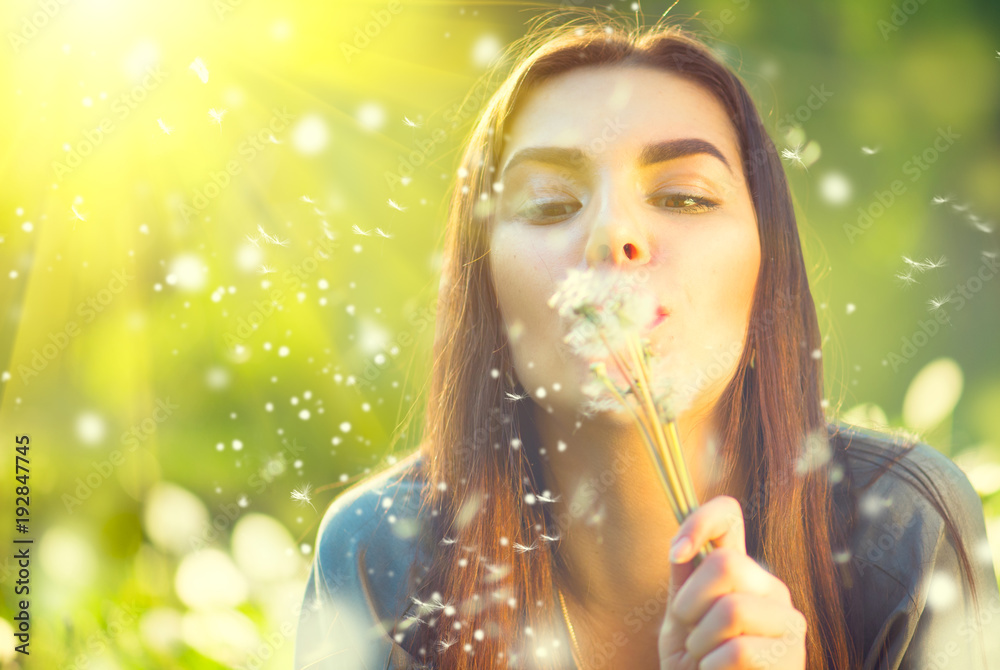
(647, 400)
(667, 477)
(646, 436)
(675, 442)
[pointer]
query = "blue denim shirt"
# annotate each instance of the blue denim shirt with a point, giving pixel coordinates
(909, 605)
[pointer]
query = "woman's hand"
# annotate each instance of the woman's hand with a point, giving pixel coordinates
(728, 612)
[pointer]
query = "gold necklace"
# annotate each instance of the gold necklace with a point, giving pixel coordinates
(569, 625)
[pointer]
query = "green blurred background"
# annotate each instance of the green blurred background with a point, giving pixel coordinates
(220, 226)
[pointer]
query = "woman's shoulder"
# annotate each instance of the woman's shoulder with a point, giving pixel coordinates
(358, 590)
(881, 463)
(908, 593)
(372, 529)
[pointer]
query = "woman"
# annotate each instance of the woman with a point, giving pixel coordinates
(524, 533)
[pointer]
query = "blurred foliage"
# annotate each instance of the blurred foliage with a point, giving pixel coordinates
(205, 311)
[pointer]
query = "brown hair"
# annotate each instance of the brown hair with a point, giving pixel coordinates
(479, 449)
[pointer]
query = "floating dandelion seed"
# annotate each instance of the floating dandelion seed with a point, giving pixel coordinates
(412, 619)
(926, 264)
(306, 198)
(870, 150)
(960, 208)
(272, 139)
(358, 230)
(998, 55)
(549, 538)
(411, 124)
(163, 126)
(906, 278)
(544, 498)
(199, 69)
(217, 115)
(794, 155)
(78, 214)
(302, 496)
(383, 233)
(254, 240)
(392, 203)
(443, 645)
(281, 243)
(939, 263)
(521, 549)
(448, 540)
(264, 270)
(983, 226)
(514, 397)
(940, 200)
(936, 303)
(263, 235)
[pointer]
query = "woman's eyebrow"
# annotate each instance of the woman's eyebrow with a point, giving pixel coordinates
(575, 158)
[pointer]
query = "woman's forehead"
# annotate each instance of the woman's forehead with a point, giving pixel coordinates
(595, 109)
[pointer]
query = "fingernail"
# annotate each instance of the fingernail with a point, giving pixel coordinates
(679, 550)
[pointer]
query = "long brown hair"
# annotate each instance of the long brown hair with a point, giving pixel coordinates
(480, 452)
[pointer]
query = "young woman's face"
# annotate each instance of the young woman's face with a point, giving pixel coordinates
(637, 170)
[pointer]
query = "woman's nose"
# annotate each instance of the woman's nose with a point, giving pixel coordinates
(618, 242)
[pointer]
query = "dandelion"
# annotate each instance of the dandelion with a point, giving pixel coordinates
(163, 126)
(609, 316)
(302, 496)
(198, 66)
(217, 115)
(383, 233)
(358, 230)
(411, 124)
(392, 203)
(870, 150)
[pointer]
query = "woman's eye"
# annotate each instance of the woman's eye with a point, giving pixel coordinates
(547, 210)
(688, 204)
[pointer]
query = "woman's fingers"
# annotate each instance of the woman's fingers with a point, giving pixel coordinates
(725, 570)
(749, 614)
(755, 652)
(720, 520)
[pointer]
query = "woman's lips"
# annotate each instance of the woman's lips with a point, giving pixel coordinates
(661, 314)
